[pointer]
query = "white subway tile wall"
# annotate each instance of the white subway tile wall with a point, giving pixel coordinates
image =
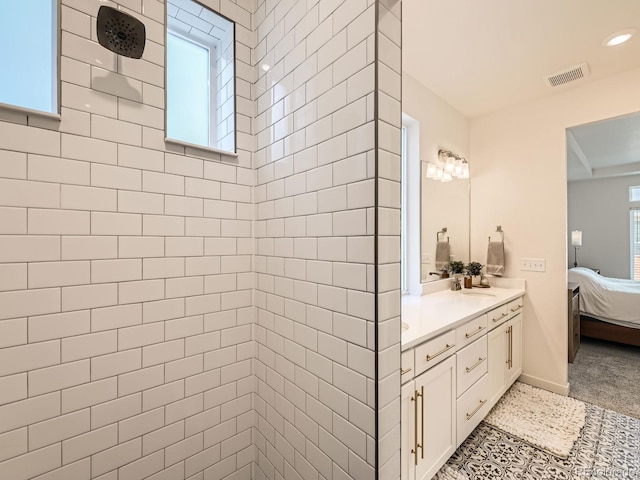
(168, 313)
(113, 364)
(389, 123)
(317, 388)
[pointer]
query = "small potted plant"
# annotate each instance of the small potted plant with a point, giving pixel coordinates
(473, 269)
(456, 267)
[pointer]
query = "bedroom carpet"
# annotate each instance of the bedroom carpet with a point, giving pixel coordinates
(608, 448)
(607, 374)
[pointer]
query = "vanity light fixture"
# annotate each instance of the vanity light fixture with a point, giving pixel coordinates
(448, 166)
(618, 38)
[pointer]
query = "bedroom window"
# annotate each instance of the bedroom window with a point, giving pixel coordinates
(634, 194)
(635, 243)
(200, 77)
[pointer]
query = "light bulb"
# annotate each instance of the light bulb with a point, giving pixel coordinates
(465, 170)
(446, 177)
(439, 173)
(431, 170)
(458, 168)
(451, 164)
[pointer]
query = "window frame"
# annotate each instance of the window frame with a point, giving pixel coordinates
(176, 141)
(57, 81)
(634, 246)
(404, 212)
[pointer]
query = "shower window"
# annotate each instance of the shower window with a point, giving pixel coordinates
(29, 56)
(200, 77)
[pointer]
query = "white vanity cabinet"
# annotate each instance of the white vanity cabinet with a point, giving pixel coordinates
(505, 353)
(451, 381)
(428, 420)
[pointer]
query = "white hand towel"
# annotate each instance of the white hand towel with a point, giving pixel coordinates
(443, 252)
(495, 259)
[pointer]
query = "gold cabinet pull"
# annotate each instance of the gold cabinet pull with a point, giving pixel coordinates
(406, 370)
(469, 415)
(475, 365)
(500, 317)
(446, 347)
(469, 335)
(511, 346)
(417, 445)
(509, 333)
(518, 307)
(422, 418)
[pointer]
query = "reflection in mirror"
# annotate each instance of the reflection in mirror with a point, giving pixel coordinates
(443, 205)
(433, 125)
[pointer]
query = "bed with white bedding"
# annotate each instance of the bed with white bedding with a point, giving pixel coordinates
(609, 307)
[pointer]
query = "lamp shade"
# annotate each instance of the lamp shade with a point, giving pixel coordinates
(576, 238)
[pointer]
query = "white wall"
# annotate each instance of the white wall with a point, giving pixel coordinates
(519, 181)
(439, 204)
(125, 274)
(600, 208)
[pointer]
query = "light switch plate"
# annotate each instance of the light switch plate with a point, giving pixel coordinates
(533, 264)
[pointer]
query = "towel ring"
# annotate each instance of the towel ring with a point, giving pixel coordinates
(501, 232)
(443, 231)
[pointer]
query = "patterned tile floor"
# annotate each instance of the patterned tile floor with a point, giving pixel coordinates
(608, 448)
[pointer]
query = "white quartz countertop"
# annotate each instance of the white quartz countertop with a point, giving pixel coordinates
(427, 316)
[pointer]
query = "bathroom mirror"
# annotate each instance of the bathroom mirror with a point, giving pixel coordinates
(443, 205)
(432, 125)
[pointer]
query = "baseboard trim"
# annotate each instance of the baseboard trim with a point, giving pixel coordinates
(545, 384)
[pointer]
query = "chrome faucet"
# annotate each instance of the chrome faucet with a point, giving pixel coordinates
(442, 274)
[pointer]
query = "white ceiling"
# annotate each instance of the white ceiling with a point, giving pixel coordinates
(482, 56)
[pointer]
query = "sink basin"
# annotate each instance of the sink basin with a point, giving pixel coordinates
(477, 292)
(405, 326)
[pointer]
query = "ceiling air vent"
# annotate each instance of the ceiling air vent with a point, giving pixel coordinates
(567, 75)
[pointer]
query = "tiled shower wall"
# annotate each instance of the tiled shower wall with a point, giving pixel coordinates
(318, 208)
(388, 177)
(125, 274)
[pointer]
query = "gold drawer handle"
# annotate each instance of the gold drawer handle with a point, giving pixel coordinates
(500, 317)
(469, 415)
(480, 328)
(406, 370)
(472, 367)
(446, 347)
(517, 308)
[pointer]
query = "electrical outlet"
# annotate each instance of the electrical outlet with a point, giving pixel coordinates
(426, 258)
(533, 264)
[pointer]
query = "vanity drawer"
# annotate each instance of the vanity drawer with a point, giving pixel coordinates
(434, 351)
(471, 331)
(407, 367)
(471, 364)
(472, 407)
(515, 306)
(497, 316)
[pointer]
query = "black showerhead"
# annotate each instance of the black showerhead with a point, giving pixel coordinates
(120, 32)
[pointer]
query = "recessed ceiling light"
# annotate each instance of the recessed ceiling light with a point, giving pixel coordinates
(618, 37)
(265, 67)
